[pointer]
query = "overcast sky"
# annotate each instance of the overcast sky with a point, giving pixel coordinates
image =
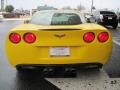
(32, 4)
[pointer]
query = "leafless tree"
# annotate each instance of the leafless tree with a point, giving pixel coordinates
(67, 8)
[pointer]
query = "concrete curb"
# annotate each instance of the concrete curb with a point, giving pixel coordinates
(14, 19)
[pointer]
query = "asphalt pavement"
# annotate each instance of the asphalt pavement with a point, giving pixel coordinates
(113, 66)
(105, 79)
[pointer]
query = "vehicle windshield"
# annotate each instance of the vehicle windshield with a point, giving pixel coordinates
(49, 18)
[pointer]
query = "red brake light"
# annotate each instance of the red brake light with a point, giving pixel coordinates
(89, 37)
(103, 36)
(15, 38)
(29, 38)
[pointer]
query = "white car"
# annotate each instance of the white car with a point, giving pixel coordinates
(1, 18)
(89, 18)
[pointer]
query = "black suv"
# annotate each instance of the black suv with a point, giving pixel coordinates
(106, 18)
(119, 17)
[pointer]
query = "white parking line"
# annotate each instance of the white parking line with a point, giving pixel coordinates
(115, 40)
(86, 81)
(119, 25)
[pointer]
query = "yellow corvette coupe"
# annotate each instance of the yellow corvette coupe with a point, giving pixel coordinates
(58, 39)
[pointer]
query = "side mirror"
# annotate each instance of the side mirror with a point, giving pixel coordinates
(26, 21)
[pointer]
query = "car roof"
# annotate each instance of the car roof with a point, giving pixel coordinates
(103, 10)
(61, 11)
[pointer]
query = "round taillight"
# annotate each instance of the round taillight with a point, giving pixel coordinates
(29, 38)
(103, 36)
(89, 37)
(15, 38)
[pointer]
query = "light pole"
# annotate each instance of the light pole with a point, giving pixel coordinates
(2, 5)
(80, 5)
(92, 6)
(6, 3)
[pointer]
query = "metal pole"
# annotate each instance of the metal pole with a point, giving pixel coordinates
(80, 5)
(6, 3)
(2, 5)
(92, 6)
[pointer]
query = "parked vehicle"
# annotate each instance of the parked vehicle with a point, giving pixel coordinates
(119, 17)
(58, 39)
(89, 17)
(105, 18)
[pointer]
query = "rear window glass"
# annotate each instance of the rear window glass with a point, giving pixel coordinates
(106, 12)
(49, 18)
(65, 19)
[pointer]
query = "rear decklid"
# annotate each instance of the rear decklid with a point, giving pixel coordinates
(58, 35)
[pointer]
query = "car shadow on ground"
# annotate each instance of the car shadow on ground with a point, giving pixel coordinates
(32, 81)
(75, 74)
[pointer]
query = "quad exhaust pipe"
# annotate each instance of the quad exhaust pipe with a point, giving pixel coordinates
(66, 70)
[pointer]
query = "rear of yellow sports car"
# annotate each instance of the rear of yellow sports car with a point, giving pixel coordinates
(30, 44)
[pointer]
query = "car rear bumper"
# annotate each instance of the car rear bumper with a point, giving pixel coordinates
(109, 22)
(88, 54)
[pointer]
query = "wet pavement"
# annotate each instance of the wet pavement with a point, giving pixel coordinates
(10, 79)
(112, 67)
